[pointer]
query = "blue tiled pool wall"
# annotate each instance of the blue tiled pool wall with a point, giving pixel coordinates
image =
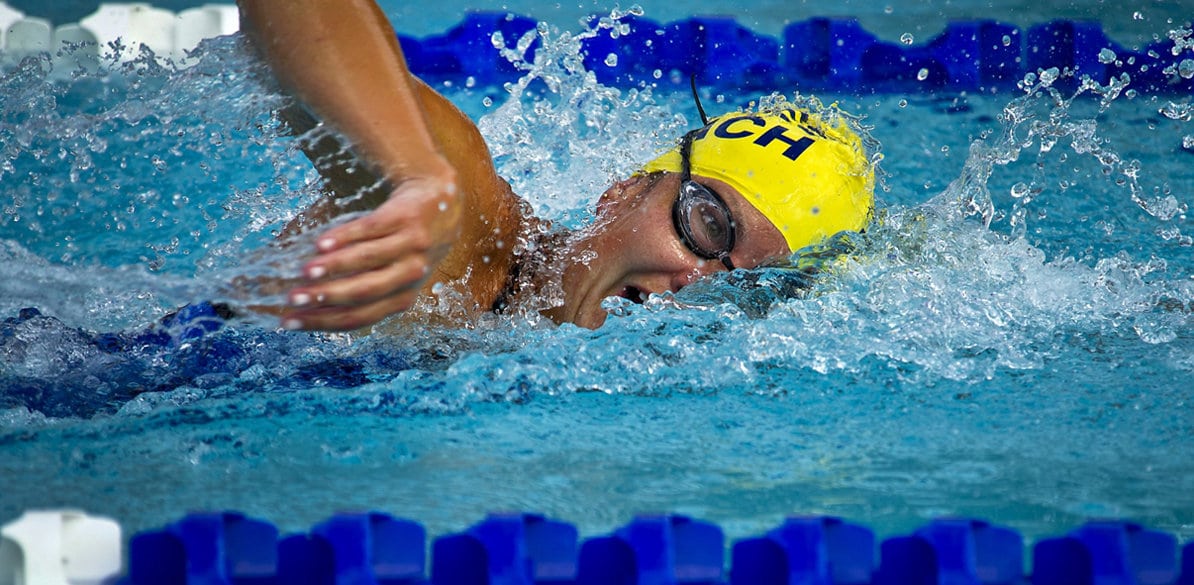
(819, 54)
(520, 548)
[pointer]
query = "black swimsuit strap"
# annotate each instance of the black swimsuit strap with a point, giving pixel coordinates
(524, 272)
(502, 302)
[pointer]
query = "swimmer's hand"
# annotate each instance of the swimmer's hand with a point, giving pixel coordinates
(374, 266)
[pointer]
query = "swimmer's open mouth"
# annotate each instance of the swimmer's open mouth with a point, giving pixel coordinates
(634, 294)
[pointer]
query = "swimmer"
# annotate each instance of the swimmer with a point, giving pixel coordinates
(745, 190)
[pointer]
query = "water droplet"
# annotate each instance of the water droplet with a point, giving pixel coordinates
(470, 81)
(945, 149)
(611, 60)
(1137, 15)
(1186, 68)
(907, 38)
(657, 74)
(903, 103)
(1106, 56)
(443, 206)
(1019, 190)
(1154, 331)
(487, 102)
(1175, 111)
(1007, 41)
(922, 75)
(888, 9)
(1188, 142)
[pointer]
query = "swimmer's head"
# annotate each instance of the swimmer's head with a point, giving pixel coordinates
(810, 179)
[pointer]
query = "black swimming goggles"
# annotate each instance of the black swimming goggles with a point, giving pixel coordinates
(700, 215)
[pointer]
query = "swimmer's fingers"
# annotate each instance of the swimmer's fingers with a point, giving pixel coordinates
(368, 255)
(373, 266)
(419, 204)
(365, 287)
(339, 318)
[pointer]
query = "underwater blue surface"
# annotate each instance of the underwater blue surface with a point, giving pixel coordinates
(1013, 340)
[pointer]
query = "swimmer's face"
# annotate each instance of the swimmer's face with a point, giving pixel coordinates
(634, 250)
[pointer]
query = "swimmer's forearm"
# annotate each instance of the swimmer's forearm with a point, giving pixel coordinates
(447, 215)
(343, 61)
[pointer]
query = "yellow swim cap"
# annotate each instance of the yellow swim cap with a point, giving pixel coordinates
(810, 179)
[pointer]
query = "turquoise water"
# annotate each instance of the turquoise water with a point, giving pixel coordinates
(1013, 341)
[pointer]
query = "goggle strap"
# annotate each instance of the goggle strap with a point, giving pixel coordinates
(696, 97)
(725, 259)
(685, 156)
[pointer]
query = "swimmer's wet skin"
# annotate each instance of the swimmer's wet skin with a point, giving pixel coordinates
(744, 190)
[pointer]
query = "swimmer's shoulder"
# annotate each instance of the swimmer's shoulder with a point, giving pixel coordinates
(494, 217)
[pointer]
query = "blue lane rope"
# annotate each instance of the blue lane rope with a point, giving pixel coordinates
(527, 549)
(819, 54)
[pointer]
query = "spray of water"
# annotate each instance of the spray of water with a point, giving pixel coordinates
(959, 288)
(561, 137)
(126, 168)
(173, 184)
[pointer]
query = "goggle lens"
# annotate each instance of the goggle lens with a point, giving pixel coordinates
(704, 223)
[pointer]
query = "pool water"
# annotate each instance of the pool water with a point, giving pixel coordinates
(1013, 340)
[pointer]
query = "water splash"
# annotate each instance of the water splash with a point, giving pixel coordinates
(1019, 321)
(561, 137)
(184, 160)
(960, 288)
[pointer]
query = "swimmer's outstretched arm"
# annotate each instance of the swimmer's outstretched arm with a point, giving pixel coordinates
(447, 207)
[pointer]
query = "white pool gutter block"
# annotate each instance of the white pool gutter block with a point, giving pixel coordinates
(131, 25)
(60, 547)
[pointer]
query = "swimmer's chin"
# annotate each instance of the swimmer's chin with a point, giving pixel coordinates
(591, 319)
(597, 316)
(586, 317)
(596, 321)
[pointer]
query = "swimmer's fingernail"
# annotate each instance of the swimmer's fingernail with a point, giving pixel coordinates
(315, 272)
(292, 324)
(300, 299)
(325, 244)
